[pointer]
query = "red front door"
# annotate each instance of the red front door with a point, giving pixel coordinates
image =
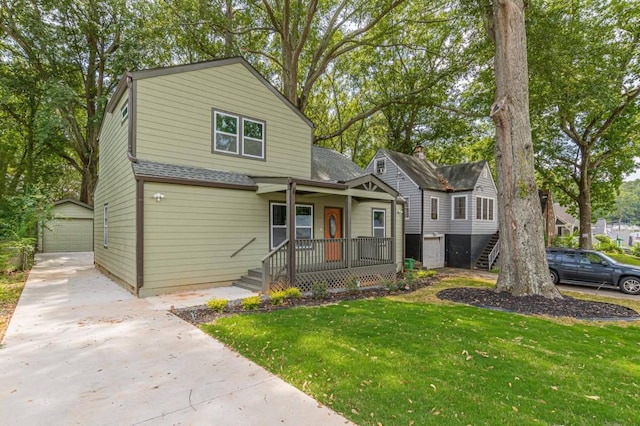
(332, 229)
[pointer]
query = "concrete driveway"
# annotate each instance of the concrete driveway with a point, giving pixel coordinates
(81, 350)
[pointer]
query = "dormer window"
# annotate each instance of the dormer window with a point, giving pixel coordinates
(379, 166)
(237, 135)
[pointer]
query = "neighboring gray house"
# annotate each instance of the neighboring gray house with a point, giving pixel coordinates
(208, 177)
(451, 215)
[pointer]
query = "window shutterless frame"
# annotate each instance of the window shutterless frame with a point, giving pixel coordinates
(236, 135)
(105, 226)
(459, 207)
(378, 222)
(278, 223)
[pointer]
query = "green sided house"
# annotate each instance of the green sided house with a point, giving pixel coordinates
(70, 228)
(208, 177)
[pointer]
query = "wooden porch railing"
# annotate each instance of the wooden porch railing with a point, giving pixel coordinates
(274, 265)
(368, 251)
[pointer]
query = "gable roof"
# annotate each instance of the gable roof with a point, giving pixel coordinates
(428, 175)
(331, 166)
(175, 69)
(72, 201)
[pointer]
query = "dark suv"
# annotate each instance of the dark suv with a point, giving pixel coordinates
(587, 267)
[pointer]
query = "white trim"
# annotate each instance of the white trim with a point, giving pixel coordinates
(373, 222)
(453, 207)
(431, 198)
(216, 131)
(491, 205)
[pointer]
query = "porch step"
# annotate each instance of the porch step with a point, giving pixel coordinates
(252, 281)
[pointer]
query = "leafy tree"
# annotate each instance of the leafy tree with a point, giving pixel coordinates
(77, 50)
(627, 204)
(523, 264)
(584, 62)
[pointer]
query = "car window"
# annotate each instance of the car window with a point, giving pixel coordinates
(567, 258)
(592, 258)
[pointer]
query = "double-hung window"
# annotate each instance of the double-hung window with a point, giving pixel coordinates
(124, 111)
(304, 223)
(237, 135)
(407, 213)
(484, 208)
(459, 208)
(435, 208)
(379, 164)
(378, 223)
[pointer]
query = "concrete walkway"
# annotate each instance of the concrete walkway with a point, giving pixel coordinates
(81, 350)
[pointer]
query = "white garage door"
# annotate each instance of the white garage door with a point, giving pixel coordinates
(433, 252)
(68, 235)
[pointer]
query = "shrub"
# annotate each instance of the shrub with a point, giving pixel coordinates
(568, 241)
(293, 293)
(607, 244)
(250, 303)
(320, 290)
(217, 305)
(635, 250)
(425, 273)
(391, 285)
(278, 296)
(352, 285)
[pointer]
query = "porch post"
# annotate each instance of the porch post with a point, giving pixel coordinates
(347, 230)
(394, 206)
(291, 231)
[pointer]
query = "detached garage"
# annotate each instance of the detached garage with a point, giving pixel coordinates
(69, 229)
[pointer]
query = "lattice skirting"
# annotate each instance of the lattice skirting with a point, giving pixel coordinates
(367, 276)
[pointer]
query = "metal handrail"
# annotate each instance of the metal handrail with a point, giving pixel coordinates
(243, 247)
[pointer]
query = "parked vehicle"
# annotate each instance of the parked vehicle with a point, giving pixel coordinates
(591, 268)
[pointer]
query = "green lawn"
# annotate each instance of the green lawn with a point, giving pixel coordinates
(417, 360)
(11, 285)
(625, 258)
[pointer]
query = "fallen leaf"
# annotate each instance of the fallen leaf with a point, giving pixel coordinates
(354, 411)
(434, 387)
(594, 397)
(515, 408)
(555, 388)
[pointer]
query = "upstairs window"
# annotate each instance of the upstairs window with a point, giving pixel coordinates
(237, 135)
(253, 138)
(379, 166)
(406, 207)
(435, 208)
(124, 111)
(459, 208)
(484, 208)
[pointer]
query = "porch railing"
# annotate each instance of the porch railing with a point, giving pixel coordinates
(330, 254)
(274, 265)
(317, 255)
(494, 253)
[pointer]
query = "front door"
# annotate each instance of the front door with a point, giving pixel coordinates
(332, 229)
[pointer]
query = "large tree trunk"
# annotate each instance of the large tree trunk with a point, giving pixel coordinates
(523, 263)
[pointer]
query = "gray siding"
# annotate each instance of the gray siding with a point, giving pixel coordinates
(443, 224)
(486, 188)
(399, 181)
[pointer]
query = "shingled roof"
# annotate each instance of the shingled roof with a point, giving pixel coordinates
(143, 168)
(326, 166)
(428, 175)
(330, 166)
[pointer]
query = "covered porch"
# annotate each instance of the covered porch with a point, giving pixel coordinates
(344, 247)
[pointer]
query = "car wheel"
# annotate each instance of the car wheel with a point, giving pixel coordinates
(554, 277)
(630, 285)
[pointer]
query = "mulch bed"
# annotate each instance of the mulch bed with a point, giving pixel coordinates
(538, 305)
(485, 298)
(202, 314)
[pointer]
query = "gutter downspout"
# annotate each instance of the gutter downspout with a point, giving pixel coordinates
(291, 230)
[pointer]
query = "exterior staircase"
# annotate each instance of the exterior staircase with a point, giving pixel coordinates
(484, 261)
(252, 281)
